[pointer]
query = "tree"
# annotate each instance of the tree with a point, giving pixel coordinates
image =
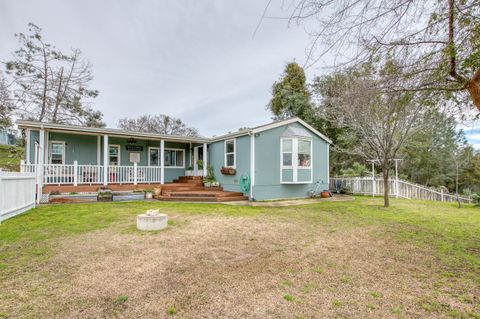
(381, 122)
(160, 123)
(290, 95)
(440, 38)
(49, 85)
(6, 105)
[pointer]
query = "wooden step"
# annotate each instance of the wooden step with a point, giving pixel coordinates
(202, 199)
(188, 181)
(198, 178)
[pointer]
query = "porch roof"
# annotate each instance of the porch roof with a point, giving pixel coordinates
(83, 130)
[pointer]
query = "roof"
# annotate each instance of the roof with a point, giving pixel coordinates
(270, 126)
(108, 131)
(117, 132)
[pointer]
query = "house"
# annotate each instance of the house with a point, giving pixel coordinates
(7, 137)
(282, 159)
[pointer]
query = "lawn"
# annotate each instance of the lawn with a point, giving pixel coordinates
(327, 260)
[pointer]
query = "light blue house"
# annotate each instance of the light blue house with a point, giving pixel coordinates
(282, 159)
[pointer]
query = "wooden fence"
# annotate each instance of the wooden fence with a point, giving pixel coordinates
(17, 193)
(398, 188)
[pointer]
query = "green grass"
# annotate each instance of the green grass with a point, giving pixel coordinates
(120, 300)
(10, 157)
(452, 233)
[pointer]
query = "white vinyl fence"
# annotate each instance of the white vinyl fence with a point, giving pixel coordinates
(17, 193)
(398, 188)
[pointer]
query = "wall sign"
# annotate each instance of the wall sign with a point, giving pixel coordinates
(135, 148)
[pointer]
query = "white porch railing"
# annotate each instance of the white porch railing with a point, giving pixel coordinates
(398, 188)
(56, 174)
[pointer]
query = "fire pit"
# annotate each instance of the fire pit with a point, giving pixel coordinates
(152, 220)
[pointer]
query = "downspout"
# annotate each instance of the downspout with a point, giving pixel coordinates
(252, 163)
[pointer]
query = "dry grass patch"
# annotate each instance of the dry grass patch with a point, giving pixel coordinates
(239, 266)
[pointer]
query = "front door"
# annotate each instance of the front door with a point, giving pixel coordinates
(197, 156)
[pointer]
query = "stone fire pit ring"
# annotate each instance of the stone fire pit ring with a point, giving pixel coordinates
(152, 220)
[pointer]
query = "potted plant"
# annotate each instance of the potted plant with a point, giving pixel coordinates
(148, 194)
(209, 180)
(200, 165)
(228, 170)
(189, 171)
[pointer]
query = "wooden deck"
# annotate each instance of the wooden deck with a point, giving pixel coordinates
(184, 189)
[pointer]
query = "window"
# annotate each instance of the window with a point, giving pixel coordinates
(230, 149)
(114, 155)
(153, 156)
(304, 156)
(57, 152)
(287, 149)
(295, 160)
(174, 158)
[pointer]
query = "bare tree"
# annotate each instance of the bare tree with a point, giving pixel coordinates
(380, 122)
(160, 123)
(6, 104)
(49, 85)
(441, 39)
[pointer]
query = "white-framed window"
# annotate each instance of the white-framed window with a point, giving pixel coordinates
(295, 156)
(113, 155)
(153, 156)
(174, 158)
(230, 153)
(57, 152)
(304, 153)
(287, 152)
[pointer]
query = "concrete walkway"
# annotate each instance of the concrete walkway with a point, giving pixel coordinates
(293, 202)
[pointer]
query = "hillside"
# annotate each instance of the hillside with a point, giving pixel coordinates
(10, 157)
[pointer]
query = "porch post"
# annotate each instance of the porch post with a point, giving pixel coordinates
(135, 173)
(205, 160)
(40, 164)
(75, 173)
(105, 159)
(27, 146)
(162, 161)
(99, 150)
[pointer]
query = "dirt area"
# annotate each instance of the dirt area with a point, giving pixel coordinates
(231, 267)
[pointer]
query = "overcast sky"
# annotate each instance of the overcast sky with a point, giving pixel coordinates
(197, 60)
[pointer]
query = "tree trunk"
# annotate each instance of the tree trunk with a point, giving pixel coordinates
(58, 99)
(386, 186)
(45, 84)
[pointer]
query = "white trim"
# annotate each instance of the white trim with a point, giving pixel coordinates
(99, 149)
(119, 152)
(105, 159)
(148, 155)
(289, 121)
(205, 159)
(328, 164)
(234, 140)
(295, 167)
(50, 151)
(176, 149)
(27, 146)
(252, 164)
(162, 161)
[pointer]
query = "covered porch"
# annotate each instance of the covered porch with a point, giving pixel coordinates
(72, 156)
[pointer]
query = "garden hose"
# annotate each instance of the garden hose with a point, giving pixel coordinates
(245, 183)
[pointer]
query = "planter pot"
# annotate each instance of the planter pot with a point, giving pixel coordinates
(207, 184)
(189, 173)
(148, 195)
(324, 194)
(157, 191)
(228, 171)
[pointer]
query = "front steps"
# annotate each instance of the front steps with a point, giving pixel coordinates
(191, 189)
